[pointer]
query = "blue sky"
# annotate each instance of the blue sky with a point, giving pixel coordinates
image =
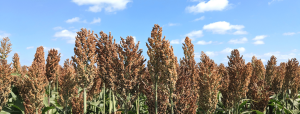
(255, 27)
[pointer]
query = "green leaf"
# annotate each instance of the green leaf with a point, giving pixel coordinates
(47, 108)
(258, 112)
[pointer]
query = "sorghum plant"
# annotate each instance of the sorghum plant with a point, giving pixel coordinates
(239, 76)
(67, 84)
(104, 51)
(161, 57)
(5, 82)
(258, 88)
(85, 59)
(271, 70)
(258, 73)
(52, 69)
(279, 78)
(291, 75)
(209, 83)
(16, 64)
(32, 87)
(5, 48)
(185, 92)
(224, 87)
(128, 66)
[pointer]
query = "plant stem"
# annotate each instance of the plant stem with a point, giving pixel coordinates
(84, 100)
(155, 94)
(104, 98)
(138, 103)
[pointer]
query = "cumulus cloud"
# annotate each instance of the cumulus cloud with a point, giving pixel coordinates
(201, 18)
(134, 39)
(203, 42)
(29, 47)
(208, 53)
(240, 32)
(70, 36)
(107, 5)
(281, 56)
(228, 50)
(174, 41)
(75, 19)
(238, 41)
(259, 42)
(48, 49)
(194, 34)
(96, 21)
(3, 34)
(260, 37)
(289, 33)
(222, 27)
(211, 5)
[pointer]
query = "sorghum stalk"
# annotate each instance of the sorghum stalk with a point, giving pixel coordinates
(161, 64)
(104, 51)
(85, 59)
(239, 75)
(52, 69)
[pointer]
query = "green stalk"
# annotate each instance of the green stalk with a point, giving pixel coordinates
(49, 97)
(172, 110)
(156, 94)
(114, 105)
(126, 101)
(110, 100)
(104, 98)
(138, 104)
(84, 100)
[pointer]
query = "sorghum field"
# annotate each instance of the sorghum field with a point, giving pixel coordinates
(120, 82)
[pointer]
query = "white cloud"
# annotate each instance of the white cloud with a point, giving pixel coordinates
(75, 19)
(210, 53)
(260, 37)
(134, 39)
(203, 42)
(240, 32)
(107, 5)
(280, 56)
(66, 34)
(57, 28)
(4, 34)
(48, 49)
(258, 42)
(238, 41)
(228, 50)
(194, 34)
(212, 5)
(96, 21)
(289, 33)
(29, 47)
(174, 41)
(201, 18)
(221, 27)
(273, 1)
